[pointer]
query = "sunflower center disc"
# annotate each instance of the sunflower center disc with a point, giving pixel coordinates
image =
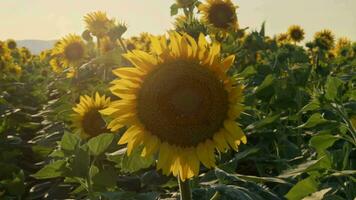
(93, 123)
(182, 103)
(74, 51)
(221, 15)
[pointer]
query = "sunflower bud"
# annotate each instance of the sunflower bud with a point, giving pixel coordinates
(86, 36)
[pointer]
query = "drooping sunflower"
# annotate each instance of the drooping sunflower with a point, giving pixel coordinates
(71, 49)
(87, 119)
(324, 39)
(296, 33)
(220, 15)
(98, 23)
(178, 102)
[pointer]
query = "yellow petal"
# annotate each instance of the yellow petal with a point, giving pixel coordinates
(129, 134)
(227, 63)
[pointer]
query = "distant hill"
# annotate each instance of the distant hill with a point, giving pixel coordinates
(36, 46)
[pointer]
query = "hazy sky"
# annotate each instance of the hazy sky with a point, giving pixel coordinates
(50, 19)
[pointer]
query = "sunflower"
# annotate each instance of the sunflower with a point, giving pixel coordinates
(282, 38)
(87, 120)
(71, 49)
(343, 47)
(3, 48)
(98, 23)
(15, 69)
(56, 65)
(324, 39)
(11, 44)
(220, 15)
(178, 102)
(296, 33)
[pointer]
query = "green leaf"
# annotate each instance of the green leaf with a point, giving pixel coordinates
(80, 164)
(263, 122)
(302, 189)
(314, 120)
(299, 169)
(322, 142)
(100, 143)
(332, 86)
(52, 170)
(313, 105)
(265, 89)
(248, 71)
(15, 185)
(319, 195)
(112, 57)
(93, 171)
(135, 161)
(69, 141)
(105, 178)
(174, 9)
(259, 179)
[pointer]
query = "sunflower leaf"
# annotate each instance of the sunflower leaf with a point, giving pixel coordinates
(99, 144)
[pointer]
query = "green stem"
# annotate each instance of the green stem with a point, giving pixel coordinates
(185, 191)
(123, 45)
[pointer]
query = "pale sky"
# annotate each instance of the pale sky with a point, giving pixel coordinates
(51, 19)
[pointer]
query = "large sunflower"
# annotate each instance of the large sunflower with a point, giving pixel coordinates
(87, 120)
(98, 23)
(178, 103)
(296, 33)
(71, 49)
(220, 15)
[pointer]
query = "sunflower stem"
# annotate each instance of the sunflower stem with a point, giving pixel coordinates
(185, 190)
(122, 45)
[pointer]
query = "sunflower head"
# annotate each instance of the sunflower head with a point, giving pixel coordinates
(192, 26)
(87, 120)
(98, 23)
(324, 39)
(343, 47)
(296, 33)
(87, 36)
(26, 54)
(15, 69)
(178, 102)
(3, 48)
(282, 38)
(56, 65)
(142, 42)
(11, 44)
(220, 15)
(71, 49)
(117, 31)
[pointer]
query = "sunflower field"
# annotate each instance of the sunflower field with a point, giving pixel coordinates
(208, 110)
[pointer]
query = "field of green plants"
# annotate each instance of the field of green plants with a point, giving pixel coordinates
(208, 110)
